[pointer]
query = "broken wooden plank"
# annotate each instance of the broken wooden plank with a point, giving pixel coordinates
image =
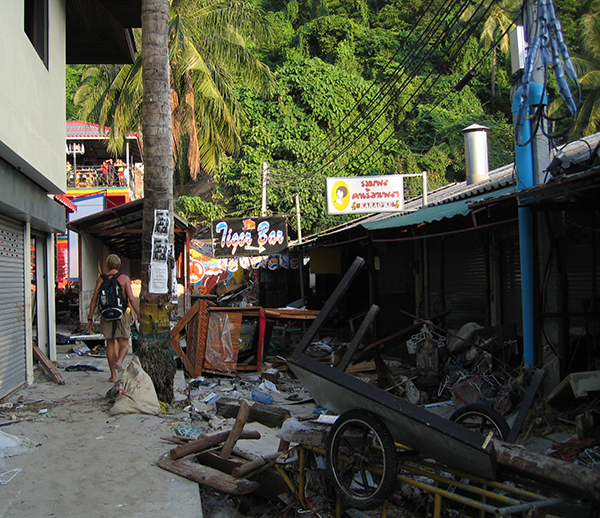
(361, 367)
(332, 301)
(207, 476)
(48, 365)
(238, 426)
(271, 482)
(206, 442)
(536, 381)
(250, 467)
(362, 330)
(269, 415)
(581, 383)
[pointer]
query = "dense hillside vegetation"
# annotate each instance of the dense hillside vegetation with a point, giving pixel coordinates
(358, 88)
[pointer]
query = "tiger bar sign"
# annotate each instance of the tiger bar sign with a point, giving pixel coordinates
(365, 194)
(234, 237)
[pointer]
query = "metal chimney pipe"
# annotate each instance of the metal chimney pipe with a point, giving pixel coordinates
(476, 151)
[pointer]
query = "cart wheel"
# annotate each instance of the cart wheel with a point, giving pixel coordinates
(481, 419)
(361, 459)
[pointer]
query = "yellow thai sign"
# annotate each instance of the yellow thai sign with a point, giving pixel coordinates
(365, 194)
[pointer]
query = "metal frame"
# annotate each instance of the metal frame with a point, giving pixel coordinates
(413, 426)
(478, 493)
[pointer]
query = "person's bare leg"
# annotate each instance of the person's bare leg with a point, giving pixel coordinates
(122, 350)
(112, 357)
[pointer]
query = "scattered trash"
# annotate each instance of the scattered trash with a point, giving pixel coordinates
(211, 398)
(7, 476)
(81, 351)
(268, 386)
(187, 432)
(262, 397)
(11, 445)
(83, 368)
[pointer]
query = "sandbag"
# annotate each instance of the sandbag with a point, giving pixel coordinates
(460, 340)
(137, 394)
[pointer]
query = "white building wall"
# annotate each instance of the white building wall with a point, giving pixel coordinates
(32, 97)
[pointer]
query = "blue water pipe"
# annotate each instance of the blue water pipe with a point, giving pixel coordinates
(522, 102)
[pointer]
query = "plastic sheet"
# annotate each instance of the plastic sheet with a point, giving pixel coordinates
(219, 347)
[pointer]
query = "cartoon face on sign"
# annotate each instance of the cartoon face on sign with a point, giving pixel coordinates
(340, 195)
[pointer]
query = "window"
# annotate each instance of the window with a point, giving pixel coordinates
(36, 26)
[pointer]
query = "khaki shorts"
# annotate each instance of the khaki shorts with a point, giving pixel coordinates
(116, 328)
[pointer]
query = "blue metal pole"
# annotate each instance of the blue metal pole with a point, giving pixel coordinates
(525, 178)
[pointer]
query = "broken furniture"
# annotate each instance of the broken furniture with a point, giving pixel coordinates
(409, 424)
(213, 336)
(361, 449)
(219, 469)
(580, 382)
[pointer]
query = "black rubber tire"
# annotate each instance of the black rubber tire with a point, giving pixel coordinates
(481, 419)
(358, 441)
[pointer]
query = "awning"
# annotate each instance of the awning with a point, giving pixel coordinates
(65, 202)
(120, 229)
(436, 212)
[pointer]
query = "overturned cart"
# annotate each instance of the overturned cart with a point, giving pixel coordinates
(380, 439)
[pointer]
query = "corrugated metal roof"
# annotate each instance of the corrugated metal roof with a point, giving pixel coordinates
(501, 182)
(436, 212)
(84, 129)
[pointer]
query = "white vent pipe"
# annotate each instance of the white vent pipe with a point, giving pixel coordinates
(476, 150)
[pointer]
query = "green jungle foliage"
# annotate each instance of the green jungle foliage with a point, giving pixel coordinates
(362, 88)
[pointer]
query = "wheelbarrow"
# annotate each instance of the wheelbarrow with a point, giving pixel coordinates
(374, 426)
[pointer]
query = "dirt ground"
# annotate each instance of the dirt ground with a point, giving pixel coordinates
(83, 461)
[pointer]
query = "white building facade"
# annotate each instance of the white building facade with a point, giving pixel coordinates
(34, 49)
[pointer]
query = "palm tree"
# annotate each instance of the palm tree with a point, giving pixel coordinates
(211, 50)
(587, 64)
(155, 344)
(495, 32)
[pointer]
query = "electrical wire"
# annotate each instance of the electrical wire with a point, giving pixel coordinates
(380, 74)
(289, 179)
(431, 85)
(413, 65)
(394, 78)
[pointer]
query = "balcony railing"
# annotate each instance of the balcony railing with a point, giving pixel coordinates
(97, 177)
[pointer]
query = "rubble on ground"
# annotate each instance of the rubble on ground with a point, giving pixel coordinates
(441, 370)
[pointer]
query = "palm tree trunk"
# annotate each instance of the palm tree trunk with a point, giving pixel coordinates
(155, 347)
(494, 72)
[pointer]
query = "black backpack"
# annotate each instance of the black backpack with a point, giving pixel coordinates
(112, 299)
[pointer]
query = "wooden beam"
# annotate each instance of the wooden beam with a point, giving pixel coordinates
(206, 442)
(48, 365)
(568, 478)
(536, 381)
(338, 293)
(207, 476)
(250, 467)
(362, 330)
(238, 426)
(269, 415)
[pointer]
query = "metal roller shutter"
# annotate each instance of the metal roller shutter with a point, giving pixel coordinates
(511, 301)
(465, 280)
(12, 306)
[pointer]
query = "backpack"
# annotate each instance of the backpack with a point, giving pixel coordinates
(112, 299)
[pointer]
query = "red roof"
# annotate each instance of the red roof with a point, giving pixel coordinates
(65, 202)
(83, 129)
